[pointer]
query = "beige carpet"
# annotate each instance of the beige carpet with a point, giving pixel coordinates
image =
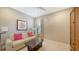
(49, 45)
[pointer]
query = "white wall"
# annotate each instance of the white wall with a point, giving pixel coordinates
(57, 26)
(8, 17)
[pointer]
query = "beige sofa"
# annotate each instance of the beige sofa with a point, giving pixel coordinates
(16, 45)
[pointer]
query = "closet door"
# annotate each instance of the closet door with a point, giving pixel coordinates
(77, 28)
(72, 31)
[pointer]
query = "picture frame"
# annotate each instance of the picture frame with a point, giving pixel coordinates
(22, 25)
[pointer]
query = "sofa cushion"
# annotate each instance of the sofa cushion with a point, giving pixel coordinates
(24, 34)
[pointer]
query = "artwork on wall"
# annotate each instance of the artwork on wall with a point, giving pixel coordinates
(21, 25)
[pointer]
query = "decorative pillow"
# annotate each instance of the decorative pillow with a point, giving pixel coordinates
(30, 34)
(18, 36)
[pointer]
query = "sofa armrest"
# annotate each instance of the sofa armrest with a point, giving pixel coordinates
(8, 45)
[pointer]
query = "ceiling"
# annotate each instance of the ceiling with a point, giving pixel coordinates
(38, 11)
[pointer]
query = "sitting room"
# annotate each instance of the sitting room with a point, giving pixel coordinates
(36, 29)
(19, 30)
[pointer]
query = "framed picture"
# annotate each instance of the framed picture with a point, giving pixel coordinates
(21, 25)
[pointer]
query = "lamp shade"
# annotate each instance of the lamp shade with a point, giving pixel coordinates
(4, 29)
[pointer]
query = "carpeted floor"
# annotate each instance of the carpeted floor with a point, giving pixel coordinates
(49, 45)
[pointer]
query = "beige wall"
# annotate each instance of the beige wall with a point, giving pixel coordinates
(57, 26)
(9, 16)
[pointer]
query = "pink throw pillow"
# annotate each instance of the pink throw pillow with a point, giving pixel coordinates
(18, 36)
(30, 34)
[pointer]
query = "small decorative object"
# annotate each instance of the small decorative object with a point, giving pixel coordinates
(21, 25)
